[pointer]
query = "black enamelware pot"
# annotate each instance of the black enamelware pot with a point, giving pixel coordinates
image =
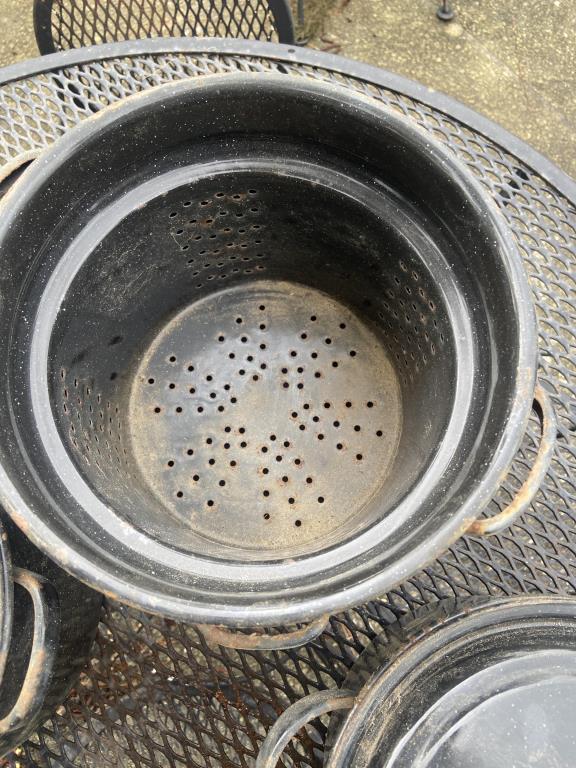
(268, 349)
(48, 620)
(488, 684)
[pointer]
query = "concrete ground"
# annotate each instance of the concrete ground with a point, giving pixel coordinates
(513, 60)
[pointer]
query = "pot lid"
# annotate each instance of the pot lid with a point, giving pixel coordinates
(481, 685)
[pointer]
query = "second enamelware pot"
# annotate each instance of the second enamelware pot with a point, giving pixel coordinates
(48, 621)
(485, 684)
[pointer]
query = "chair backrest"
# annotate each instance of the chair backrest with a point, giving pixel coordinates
(63, 24)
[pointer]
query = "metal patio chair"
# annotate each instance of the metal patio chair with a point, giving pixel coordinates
(63, 24)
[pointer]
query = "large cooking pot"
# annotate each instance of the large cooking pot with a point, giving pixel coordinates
(48, 620)
(485, 684)
(268, 350)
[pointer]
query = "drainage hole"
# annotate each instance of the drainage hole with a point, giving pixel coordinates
(320, 499)
(171, 463)
(298, 523)
(179, 494)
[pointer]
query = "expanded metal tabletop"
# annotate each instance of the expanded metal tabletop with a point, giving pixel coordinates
(157, 694)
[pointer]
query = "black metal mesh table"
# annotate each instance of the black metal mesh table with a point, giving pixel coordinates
(156, 693)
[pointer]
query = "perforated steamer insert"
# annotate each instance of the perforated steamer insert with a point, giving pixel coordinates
(255, 371)
(265, 415)
(255, 411)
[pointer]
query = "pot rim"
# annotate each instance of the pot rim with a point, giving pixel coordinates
(109, 577)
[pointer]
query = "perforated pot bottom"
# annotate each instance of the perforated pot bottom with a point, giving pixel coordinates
(265, 417)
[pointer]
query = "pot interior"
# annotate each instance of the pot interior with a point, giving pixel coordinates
(255, 362)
